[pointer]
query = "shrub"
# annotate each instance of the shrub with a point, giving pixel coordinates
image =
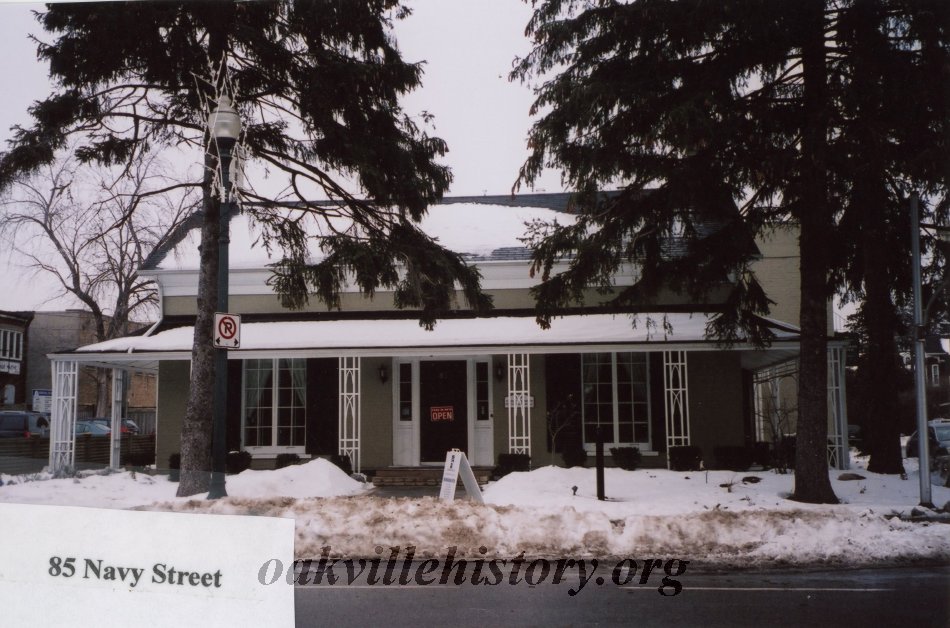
(626, 457)
(784, 454)
(574, 456)
(685, 458)
(342, 461)
(174, 467)
(508, 463)
(238, 461)
(286, 460)
(733, 458)
(141, 459)
(762, 453)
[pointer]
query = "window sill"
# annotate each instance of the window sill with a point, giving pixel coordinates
(265, 453)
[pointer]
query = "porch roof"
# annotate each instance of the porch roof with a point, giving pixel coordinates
(479, 336)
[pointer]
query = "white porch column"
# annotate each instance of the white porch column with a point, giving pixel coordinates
(519, 404)
(62, 438)
(675, 399)
(349, 372)
(118, 404)
(837, 411)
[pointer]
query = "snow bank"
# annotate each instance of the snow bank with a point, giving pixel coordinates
(317, 478)
(717, 518)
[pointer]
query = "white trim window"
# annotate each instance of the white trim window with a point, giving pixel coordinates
(11, 344)
(274, 408)
(616, 396)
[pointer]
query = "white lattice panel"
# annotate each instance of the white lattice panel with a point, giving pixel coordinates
(349, 373)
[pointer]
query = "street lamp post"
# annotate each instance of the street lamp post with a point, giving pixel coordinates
(225, 125)
(923, 453)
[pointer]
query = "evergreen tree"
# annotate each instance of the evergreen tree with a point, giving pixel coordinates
(708, 106)
(317, 83)
(892, 124)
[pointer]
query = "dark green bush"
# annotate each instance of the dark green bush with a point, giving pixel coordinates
(733, 458)
(626, 457)
(685, 458)
(574, 456)
(140, 460)
(342, 461)
(174, 465)
(508, 463)
(762, 453)
(286, 460)
(238, 461)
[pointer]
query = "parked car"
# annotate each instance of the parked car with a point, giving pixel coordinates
(854, 434)
(128, 425)
(87, 427)
(938, 435)
(22, 424)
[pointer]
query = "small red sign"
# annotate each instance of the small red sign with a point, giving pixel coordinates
(442, 413)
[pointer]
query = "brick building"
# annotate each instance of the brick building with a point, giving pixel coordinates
(14, 348)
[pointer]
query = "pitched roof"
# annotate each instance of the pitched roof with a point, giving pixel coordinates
(481, 228)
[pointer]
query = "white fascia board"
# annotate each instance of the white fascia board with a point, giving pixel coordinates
(496, 275)
(118, 359)
(515, 274)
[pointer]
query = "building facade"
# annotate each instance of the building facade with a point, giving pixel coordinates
(14, 349)
(368, 382)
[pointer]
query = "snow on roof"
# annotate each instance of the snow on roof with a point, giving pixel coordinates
(384, 335)
(471, 228)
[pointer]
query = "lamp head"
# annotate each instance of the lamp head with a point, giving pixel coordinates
(224, 121)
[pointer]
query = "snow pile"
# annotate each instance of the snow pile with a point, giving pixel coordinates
(317, 478)
(718, 517)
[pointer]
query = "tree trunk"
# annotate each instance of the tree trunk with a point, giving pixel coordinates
(811, 463)
(870, 198)
(197, 423)
(103, 407)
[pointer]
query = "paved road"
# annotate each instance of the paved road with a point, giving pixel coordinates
(913, 597)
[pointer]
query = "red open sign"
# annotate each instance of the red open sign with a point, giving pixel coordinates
(442, 413)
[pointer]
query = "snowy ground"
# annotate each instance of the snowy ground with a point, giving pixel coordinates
(714, 517)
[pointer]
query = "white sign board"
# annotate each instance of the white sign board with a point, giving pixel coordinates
(519, 400)
(95, 567)
(42, 400)
(457, 463)
(9, 366)
(227, 331)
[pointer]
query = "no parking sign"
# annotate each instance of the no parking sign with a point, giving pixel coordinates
(227, 331)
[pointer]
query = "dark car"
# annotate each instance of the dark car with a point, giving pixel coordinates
(21, 424)
(87, 427)
(938, 435)
(128, 425)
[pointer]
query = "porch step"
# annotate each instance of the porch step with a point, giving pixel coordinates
(421, 476)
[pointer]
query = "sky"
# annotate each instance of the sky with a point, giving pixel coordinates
(468, 47)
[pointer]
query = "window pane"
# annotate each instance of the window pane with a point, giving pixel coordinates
(626, 433)
(405, 392)
(642, 432)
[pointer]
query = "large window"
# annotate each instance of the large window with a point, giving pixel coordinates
(616, 397)
(11, 344)
(275, 401)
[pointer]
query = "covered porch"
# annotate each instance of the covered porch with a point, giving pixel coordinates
(389, 393)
